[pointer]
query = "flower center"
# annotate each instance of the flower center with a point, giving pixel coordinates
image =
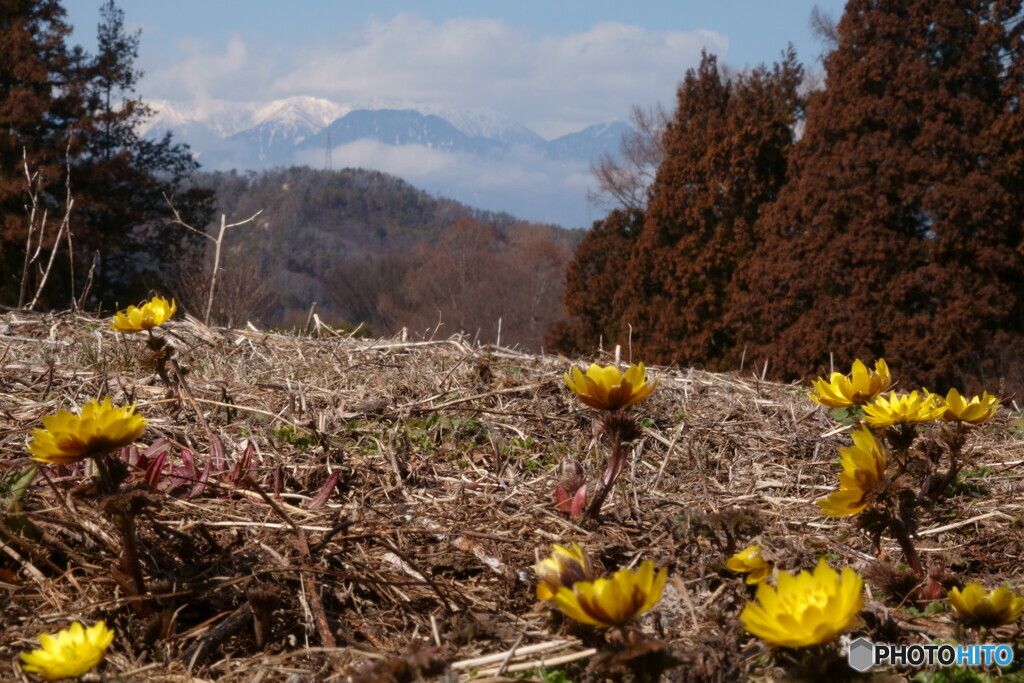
(798, 602)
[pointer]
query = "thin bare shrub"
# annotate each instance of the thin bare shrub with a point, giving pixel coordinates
(38, 217)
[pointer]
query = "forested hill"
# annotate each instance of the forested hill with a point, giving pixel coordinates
(370, 248)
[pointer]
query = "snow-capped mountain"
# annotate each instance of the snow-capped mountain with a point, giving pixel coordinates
(219, 117)
(271, 131)
(590, 142)
(314, 112)
(399, 127)
(278, 128)
(462, 153)
(478, 122)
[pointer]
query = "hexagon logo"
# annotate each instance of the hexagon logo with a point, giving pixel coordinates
(861, 655)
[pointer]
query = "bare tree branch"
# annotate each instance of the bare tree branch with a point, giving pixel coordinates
(824, 27)
(623, 180)
(34, 188)
(218, 242)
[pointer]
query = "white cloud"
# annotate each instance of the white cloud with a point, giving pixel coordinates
(205, 73)
(530, 187)
(554, 84)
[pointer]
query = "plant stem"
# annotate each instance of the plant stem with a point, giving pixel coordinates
(955, 439)
(611, 473)
(130, 560)
(902, 536)
(954, 469)
(106, 482)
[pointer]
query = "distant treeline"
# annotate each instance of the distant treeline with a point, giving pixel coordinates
(369, 248)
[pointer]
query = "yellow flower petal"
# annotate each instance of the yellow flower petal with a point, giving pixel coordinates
(975, 607)
(98, 428)
(864, 465)
(136, 319)
(750, 562)
(608, 389)
(903, 409)
(975, 411)
(563, 568)
(71, 653)
(614, 601)
(860, 387)
(807, 609)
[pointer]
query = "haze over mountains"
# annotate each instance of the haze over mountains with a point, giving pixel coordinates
(474, 156)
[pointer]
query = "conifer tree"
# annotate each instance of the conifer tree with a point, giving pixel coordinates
(120, 178)
(899, 231)
(74, 117)
(666, 288)
(726, 152)
(593, 285)
(35, 110)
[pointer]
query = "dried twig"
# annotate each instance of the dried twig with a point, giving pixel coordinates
(218, 242)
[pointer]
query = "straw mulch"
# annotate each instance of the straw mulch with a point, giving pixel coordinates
(419, 562)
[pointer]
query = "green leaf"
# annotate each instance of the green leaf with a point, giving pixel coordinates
(14, 485)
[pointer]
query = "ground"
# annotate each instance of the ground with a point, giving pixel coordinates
(381, 503)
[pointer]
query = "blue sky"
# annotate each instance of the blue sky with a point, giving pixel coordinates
(554, 66)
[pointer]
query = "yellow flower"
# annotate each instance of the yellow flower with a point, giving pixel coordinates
(615, 601)
(750, 562)
(864, 466)
(565, 567)
(150, 314)
(807, 609)
(977, 410)
(903, 408)
(861, 386)
(975, 607)
(101, 427)
(608, 389)
(69, 654)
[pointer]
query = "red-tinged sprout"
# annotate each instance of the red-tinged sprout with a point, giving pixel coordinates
(154, 472)
(189, 460)
(571, 505)
(243, 466)
(141, 460)
(217, 455)
(200, 486)
(579, 502)
(562, 501)
(186, 474)
(325, 491)
(572, 482)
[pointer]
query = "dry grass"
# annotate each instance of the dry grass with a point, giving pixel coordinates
(447, 456)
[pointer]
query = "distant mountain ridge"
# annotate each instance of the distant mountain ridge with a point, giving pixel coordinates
(310, 130)
(264, 136)
(398, 127)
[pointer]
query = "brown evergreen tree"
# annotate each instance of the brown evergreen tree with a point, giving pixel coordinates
(35, 111)
(899, 231)
(72, 117)
(666, 288)
(594, 285)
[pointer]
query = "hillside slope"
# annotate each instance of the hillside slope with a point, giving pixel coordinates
(370, 248)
